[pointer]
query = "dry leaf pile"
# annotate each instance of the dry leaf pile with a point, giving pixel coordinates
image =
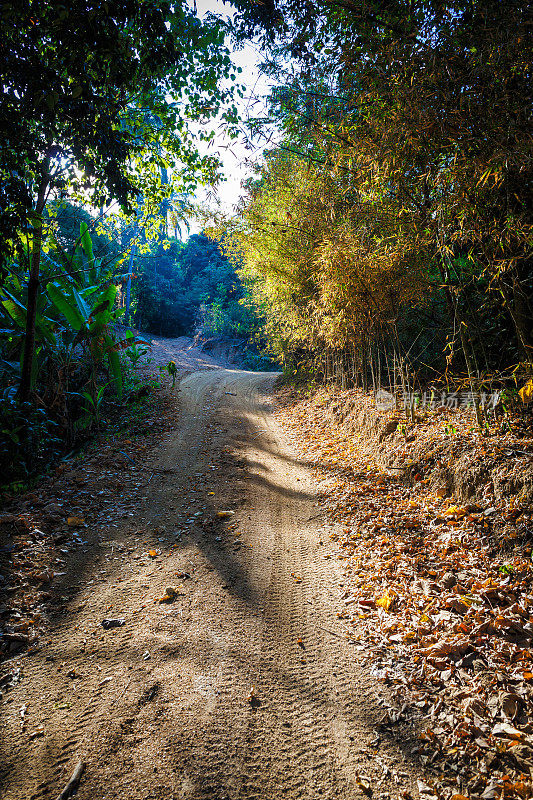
(438, 599)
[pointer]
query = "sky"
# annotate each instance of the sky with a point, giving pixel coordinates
(233, 154)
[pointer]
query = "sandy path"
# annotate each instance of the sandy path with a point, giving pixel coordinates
(159, 708)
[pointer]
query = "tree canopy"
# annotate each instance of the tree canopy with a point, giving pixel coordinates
(97, 96)
(96, 104)
(401, 177)
(173, 284)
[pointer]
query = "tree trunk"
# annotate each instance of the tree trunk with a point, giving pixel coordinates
(133, 255)
(33, 287)
(163, 209)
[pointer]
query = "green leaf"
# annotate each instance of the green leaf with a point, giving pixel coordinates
(88, 397)
(83, 308)
(14, 308)
(106, 300)
(102, 310)
(66, 306)
(88, 290)
(86, 241)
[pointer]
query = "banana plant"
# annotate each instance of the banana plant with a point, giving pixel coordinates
(82, 267)
(91, 408)
(77, 307)
(86, 299)
(13, 295)
(88, 312)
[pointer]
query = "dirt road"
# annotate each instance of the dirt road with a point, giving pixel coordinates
(163, 707)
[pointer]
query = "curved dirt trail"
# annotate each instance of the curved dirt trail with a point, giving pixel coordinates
(163, 707)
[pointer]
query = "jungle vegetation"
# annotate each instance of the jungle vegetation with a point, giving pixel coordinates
(384, 237)
(388, 227)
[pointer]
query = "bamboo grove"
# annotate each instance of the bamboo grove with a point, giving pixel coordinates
(388, 226)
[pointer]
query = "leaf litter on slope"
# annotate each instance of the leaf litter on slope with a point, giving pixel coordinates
(442, 615)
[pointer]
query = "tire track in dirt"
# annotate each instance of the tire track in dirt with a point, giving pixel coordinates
(81, 728)
(257, 608)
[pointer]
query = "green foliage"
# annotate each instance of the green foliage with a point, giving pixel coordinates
(63, 226)
(78, 343)
(175, 284)
(91, 322)
(28, 438)
(228, 317)
(172, 371)
(96, 99)
(91, 408)
(136, 352)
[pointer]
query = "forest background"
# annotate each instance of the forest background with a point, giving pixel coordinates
(383, 238)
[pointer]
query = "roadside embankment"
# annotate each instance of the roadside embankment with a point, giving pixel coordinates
(432, 523)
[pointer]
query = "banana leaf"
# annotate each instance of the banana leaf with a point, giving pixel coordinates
(15, 309)
(87, 245)
(101, 312)
(82, 305)
(67, 307)
(45, 327)
(86, 241)
(129, 341)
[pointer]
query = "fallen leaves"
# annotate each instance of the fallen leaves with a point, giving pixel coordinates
(526, 392)
(39, 731)
(171, 594)
(252, 699)
(508, 731)
(364, 784)
(437, 610)
(75, 521)
(386, 601)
